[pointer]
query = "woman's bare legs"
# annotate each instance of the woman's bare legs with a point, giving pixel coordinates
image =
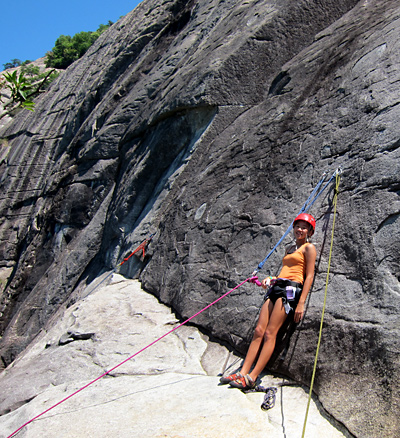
(258, 337)
(272, 317)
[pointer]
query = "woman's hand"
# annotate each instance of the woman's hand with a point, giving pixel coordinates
(265, 283)
(299, 312)
(268, 281)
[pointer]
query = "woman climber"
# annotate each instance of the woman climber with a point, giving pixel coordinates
(286, 293)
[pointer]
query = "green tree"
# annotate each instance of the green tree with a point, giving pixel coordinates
(31, 72)
(13, 63)
(68, 49)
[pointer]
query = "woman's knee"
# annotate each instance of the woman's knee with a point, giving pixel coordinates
(269, 334)
(259, 332)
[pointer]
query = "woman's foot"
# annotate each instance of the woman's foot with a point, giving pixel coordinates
(243, 382)
(228, 379)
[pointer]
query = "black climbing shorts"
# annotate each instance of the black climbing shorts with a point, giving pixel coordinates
(288, 290)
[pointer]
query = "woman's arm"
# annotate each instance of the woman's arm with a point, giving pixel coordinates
(266, 282)
(310, 254)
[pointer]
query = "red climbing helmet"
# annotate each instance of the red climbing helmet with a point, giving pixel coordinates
(306, 218)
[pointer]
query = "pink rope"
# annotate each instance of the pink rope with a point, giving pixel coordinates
(126, 360)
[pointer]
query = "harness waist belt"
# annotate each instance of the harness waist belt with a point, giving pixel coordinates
(285, 282)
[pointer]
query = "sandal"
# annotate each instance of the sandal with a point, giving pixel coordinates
(243, 382)
(229, 379)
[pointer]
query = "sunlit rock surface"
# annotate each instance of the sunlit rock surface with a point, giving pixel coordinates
(169, 390)
(209, 123)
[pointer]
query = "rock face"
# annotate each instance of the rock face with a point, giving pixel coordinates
(170, 389)
(209, 123)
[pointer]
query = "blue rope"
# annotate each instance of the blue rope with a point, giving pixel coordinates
(307, 205)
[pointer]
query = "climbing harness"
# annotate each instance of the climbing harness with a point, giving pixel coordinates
(324, 305)
(315, 194)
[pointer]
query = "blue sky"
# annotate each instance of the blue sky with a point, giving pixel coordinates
(30, 28)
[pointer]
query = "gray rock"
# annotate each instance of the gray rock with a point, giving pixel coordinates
(210, 123)
(72, 336)
(170, 389)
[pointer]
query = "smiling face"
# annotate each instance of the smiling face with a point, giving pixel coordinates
(301, 230)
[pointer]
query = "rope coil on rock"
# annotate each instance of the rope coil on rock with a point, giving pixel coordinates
(269, 397)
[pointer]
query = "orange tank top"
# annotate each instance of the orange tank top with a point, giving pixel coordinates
(294, 266)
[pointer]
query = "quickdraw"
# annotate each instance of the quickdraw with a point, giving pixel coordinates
(142, 247)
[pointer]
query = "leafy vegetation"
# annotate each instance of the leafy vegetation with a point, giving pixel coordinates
(27, 82)
(19, 88)
(68, 49)
(24, 84)
(33, 75)
(15, 63)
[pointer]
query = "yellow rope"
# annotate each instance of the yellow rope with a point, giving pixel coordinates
(323, 307)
